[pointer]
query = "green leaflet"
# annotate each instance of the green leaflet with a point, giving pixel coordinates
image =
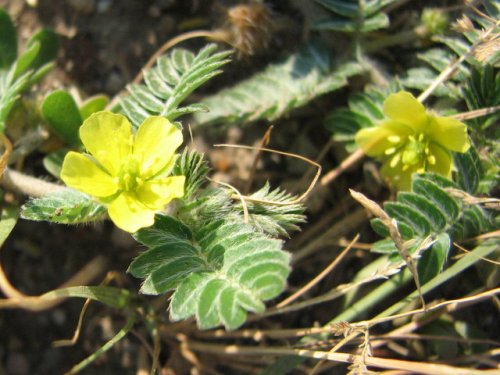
(483, 91)
(429, 210)
(469, 170)
(219, 271)
(8, 40)
(66, 207)
(8, 219)
(365, 110)
(166, 85)
(18, 73)
(59, 109)
(111, 296)
(192, 165)
(354, 16)
(274, 220)
(279, 89)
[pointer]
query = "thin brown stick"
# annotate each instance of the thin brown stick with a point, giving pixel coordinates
(340, 228)
(452, 67)
(319, 159)
(449, 305)
(385, 363)
(246, 216)
(28, 185)
(276, 203)
(470, 252)
(217, 35)
(318, 277)
(171, 43)
(414, 336)
(4, 158)
(69, 342)
(263, 143)
(17, 299)
(342, 167)
(476, 113)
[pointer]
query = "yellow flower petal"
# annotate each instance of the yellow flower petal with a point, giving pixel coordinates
(129, 214)
(442, 158)
(377, 140)
(155, 143)
(398, 176)
(449, 133)
(403, 107)
(80, 173)
(108, 137)
(155, 194)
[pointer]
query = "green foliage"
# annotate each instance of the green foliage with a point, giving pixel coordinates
(59, 109)
(18, 73)
(219, 270)
(8, 220)
(170, 82)
(65, 207)
(111, 296)
(469, 170)
(93, 104)
(279, 89)
(429, 210)
(274, 219)
(365, 110)
(437, 59)
(8, 40)
(483, 91)
(353, 16)
(192, 165)
(64, 116)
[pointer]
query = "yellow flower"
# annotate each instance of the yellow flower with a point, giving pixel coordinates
(128, 173)
(412, 140)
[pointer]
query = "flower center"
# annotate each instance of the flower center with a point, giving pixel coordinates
(129, 177)
(415, 150)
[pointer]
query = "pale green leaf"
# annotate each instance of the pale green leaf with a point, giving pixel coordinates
(66, 207)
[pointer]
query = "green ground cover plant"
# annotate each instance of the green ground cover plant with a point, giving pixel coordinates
(217, 269)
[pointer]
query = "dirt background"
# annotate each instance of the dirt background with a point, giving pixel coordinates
(104, 44)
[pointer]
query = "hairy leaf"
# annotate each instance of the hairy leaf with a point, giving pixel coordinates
(365, 110)
(8, 40)
(218, 270)
(354, 16)
(192, 165)
(274, 219)
(66, 207)
(279, 89)
(429, 210)
(170, 82)
(17, 75)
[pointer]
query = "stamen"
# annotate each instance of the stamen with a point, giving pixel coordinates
(395, 160)
(394, 138)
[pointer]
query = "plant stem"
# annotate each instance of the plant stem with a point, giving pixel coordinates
(28, 185)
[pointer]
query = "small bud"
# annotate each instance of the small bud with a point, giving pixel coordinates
(435, 21)
(463, 25)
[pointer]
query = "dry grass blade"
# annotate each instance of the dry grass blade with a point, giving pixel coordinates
(490, 202)
(287, 203)
(392, 226)
(384, 363)
(4, 158)
(263, 143)
(17, 299)
(319, 277)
